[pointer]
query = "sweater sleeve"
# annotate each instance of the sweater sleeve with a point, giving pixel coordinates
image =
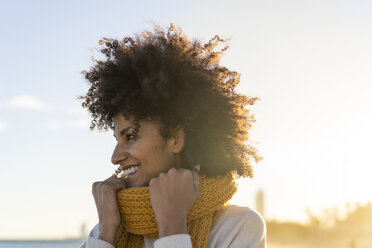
(254, 237)
(93, 241)
(252, 232)
(239, 227)
(174, 241)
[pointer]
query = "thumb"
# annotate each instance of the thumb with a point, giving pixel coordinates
(196, 181)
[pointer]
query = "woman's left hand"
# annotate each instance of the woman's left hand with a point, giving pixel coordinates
(172, 196)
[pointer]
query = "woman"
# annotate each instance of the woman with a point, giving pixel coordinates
(180, 129)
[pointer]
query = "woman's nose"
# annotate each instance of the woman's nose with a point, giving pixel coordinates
(119, 154)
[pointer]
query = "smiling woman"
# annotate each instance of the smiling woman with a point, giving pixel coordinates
(180, 129)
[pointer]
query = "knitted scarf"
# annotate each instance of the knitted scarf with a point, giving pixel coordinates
(138, 218)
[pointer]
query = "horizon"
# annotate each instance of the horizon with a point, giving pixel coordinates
(82, 236)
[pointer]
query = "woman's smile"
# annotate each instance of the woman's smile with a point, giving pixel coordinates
(133, 172)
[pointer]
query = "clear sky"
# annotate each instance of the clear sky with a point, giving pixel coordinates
(309, 61)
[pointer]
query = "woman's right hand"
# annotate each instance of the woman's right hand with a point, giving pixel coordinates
(104, 194)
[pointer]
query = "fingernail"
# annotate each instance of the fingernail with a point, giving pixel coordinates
(197, 168)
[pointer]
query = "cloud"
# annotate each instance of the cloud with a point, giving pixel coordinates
(82, 123)
(54, 124)
(75, 110)
(34, 103)
(3, 127)
(26, 102)
(70, 116)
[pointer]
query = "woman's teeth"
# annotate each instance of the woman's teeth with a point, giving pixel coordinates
(131, 170)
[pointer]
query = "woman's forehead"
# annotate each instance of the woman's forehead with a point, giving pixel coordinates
(120, 118)
(121, 122)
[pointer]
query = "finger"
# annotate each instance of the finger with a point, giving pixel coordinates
(113, 177)
(196, 180)
(115, 183)
(95, 189)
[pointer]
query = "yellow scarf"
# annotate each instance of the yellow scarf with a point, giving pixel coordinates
(138, 219)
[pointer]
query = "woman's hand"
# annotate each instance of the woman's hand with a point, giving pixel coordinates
(104, 194)
(172, 196)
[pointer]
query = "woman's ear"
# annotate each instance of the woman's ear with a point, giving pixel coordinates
(178, 139)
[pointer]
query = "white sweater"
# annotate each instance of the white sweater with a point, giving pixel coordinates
(236, 227)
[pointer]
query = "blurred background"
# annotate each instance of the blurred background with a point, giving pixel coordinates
(309, 62)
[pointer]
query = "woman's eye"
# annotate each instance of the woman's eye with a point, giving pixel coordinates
(131, 136)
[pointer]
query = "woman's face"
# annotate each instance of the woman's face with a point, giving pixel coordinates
(147, 149)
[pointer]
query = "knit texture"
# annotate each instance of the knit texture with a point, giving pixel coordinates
(138, 218)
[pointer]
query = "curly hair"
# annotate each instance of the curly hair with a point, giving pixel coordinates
(165, 76)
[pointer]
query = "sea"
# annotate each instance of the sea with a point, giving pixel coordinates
(41, 244)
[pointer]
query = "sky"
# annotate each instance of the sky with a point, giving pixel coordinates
(308, 61)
